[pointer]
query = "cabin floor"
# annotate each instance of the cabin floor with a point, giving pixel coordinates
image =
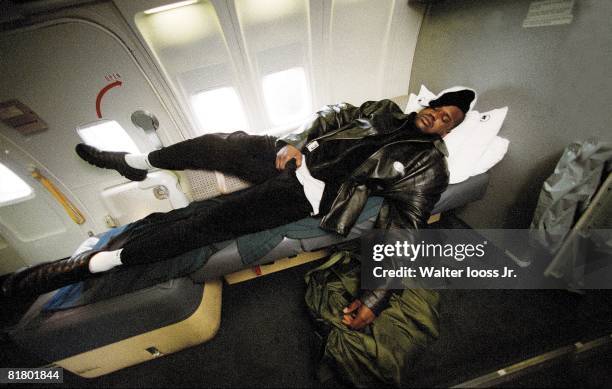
(266, 339)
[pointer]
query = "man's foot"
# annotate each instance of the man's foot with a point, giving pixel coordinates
(45, 277)
(110, 160)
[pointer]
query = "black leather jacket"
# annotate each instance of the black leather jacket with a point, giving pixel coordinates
(410, 172)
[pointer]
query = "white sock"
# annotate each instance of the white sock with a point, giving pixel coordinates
(105, 260)
(138, 161)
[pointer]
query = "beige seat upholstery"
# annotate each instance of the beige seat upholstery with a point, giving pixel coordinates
(199, 327)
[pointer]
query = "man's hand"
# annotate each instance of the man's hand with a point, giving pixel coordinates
(357, 315)
(286, 154)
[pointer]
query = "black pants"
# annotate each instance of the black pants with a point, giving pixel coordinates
(276, 198)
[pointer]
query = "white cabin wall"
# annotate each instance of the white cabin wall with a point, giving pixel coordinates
(9, 258)
(57, 67)
(58, 73)
(371, 48)
(555, 81)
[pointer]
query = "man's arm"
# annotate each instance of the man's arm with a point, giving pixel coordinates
(405, 207)
(329, 118)
(409, 211)
(334, 117)
(363, 310)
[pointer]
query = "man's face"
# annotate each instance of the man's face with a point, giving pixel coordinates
(439, 120)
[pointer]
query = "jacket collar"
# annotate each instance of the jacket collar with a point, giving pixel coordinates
(441, 146)
(437, 141)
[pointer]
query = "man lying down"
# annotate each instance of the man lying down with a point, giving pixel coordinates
(327, 169)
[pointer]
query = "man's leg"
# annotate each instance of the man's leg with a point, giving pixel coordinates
(249, 157)
(275, 202)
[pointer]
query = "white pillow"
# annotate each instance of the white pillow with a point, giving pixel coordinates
(493, 154)
(468, 142)
(420, 101)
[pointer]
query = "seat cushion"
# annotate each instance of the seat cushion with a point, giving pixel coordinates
(57, 335)
(463, 193)
(222, 258)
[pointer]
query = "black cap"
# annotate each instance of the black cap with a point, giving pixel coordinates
(460, 99)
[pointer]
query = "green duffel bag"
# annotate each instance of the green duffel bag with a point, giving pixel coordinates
(386, 350)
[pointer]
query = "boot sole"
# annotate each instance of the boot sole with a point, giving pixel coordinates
(90, 158)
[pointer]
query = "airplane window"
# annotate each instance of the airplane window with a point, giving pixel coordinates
(107, 135)
(12, 188)
(219, 109)
(286, 96)
(191, 47)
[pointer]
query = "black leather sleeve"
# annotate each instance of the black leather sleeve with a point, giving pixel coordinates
(377, 300)
(407, 207)
(329, 118)
(334, 117)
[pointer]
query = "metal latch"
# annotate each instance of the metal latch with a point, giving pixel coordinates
(154, 352)
(110, 221)
(161, 192)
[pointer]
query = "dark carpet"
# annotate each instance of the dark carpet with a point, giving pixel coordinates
(265, 339)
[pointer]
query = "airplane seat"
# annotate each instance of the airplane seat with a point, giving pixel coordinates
(100, 336)
(109, 335)
(146, 323)
(231, 258)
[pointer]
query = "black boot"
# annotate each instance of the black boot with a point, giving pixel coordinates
(45, 277)
(110, 160)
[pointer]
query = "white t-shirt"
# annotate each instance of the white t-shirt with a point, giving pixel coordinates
(313, 188)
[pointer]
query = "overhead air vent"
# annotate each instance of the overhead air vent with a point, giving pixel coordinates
(19, 116)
